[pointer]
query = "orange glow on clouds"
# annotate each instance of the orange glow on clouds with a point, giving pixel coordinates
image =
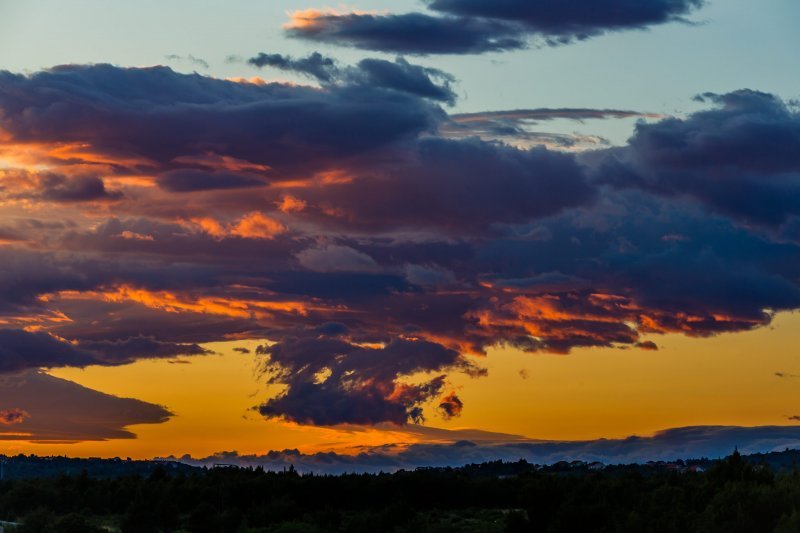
(175, 303)
(310, 18)
(290, 204)
(253, 225)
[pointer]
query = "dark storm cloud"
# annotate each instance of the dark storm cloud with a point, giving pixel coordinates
(577, 19)
(402, 76)
(451, 406)
(79, 189)
(411, 33)
(148, 236)
(53, 187)
(58, 411)
(331, 381)
(21, 350)
(315, 65)
(380, 252)
(399, 75)
(189, 180)
(479, 26)
(461, 186)
(718, 278)
(140, 347)
(26, 275)
(668, 445)
(741, 158)
(154, 115)
(126, 319)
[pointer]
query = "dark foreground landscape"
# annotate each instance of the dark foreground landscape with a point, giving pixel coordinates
(738, 494)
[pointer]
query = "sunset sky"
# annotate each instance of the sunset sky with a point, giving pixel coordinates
(392, 227)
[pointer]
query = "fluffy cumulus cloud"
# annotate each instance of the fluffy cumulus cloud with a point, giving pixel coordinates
(740, 158)
(153, 118)
(478, 26)
(373, 244)
(331, 381)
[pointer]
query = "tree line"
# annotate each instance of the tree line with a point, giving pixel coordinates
(734, 495)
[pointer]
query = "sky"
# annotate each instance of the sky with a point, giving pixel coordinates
(399, 233)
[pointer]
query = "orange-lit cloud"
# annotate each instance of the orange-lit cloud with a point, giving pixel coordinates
(171, 302)
(290, 204)
(311, 18)
(253, 225)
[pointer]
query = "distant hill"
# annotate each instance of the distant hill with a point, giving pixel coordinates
(32, 466)
(732, 495)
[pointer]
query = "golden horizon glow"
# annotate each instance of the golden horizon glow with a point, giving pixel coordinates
(591, 393)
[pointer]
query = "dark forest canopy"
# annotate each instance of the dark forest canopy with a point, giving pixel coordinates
(756, 493)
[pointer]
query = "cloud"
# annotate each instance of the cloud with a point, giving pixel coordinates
(187, 180)
(382, 257)
(59, 411)
(332, 258)
(403, 76)
(292, 129)
(475, 26)
(410, 33)
(10, 417)
(574, 20)
(200, 62)
(451, 405)
(332, 381)
(141, 347)
(256, 225)
(516, 126)
(740, 158)
(20, 350)
(696, 442)
(399, 75)
(53, 187)
(315, 65)
(459, 186)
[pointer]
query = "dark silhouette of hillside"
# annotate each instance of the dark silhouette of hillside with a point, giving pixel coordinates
(737, 494)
